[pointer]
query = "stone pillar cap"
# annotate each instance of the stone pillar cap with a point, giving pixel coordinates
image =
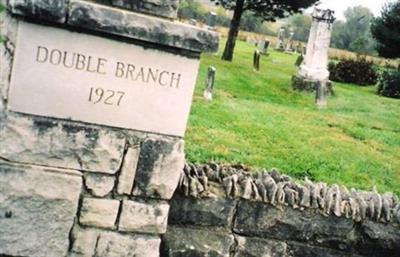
(94, 17)
(326, 15)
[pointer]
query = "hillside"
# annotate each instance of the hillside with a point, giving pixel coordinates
(257, 119)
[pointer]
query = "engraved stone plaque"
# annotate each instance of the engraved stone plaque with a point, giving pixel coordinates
(69, 75)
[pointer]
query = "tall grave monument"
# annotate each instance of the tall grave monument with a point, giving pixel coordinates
(315, 67)
(280, 45)
(94, 100)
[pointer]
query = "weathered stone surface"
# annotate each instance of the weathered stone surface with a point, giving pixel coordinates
(83, 242)
(160, 165)
(379, 239)
(50, 10)
(216, 212)
(8, 31)
(144, 217)
(128, 171)
(99, 185)
(99, 212)
(142, 27)
(44, 142)
(37, 210)
(263, 220)
(259, 247)
(303, 84)
(112, 244)
(306, 250)
(179, 242)
(162, 8)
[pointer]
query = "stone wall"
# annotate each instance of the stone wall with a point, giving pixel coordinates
(229, 211)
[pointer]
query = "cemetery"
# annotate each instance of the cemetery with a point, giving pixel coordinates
(126, 130)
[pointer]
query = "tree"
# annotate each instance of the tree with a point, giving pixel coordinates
(301, 25)
(354, 33)
(192, 9)
(268, 10)
(386, 31)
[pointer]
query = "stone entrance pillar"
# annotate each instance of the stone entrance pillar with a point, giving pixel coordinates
(314, 69)
(94, 100)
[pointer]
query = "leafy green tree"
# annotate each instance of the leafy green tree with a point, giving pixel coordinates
(268, 10)
(354, 33)
(386, 31)
(192, 9)
(300, 25)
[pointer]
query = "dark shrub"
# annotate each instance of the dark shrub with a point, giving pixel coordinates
(389, 84)
(359, 71)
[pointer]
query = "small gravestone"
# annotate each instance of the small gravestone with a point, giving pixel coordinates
(263, 45)
(299, 48)
(321, 94)
(209, 84)
(299, 60)
(193, 22)
(256, 60)
(280, 46)
(289, 45)
(211, 20)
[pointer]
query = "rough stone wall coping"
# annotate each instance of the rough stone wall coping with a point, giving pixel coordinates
(162, 8)
(113, 21)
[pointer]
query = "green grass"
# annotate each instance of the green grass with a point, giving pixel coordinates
(257, 119)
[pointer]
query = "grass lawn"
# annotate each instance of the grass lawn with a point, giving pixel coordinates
(257, 119)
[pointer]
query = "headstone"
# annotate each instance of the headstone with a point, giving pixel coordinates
(299, 60)
(256, 60)
(289, 45)
(94, 101)
(263, 45)
(193, 22)
(299, 48)
(211, 20)
(316, 59)
(321, 94)
(314, 69)
(280, 46)
(209, 84)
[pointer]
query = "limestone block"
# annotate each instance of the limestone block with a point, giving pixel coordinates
(128, 171)
(99, 185)
(144, 217)
(162, 8)
(99, 212)
(37, 210)
(260, 247)
(142, 27)
(179, 242)
(40, 141)
(263, 220)
(112, 244)
(83, 242)
(50, 10)
(307, 250)
(378, 239)
(216, 212)
(160, 165)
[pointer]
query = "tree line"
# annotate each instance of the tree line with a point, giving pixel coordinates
(359, 32)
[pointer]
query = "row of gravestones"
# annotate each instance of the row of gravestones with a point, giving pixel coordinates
(211, 21)
(313, 75)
